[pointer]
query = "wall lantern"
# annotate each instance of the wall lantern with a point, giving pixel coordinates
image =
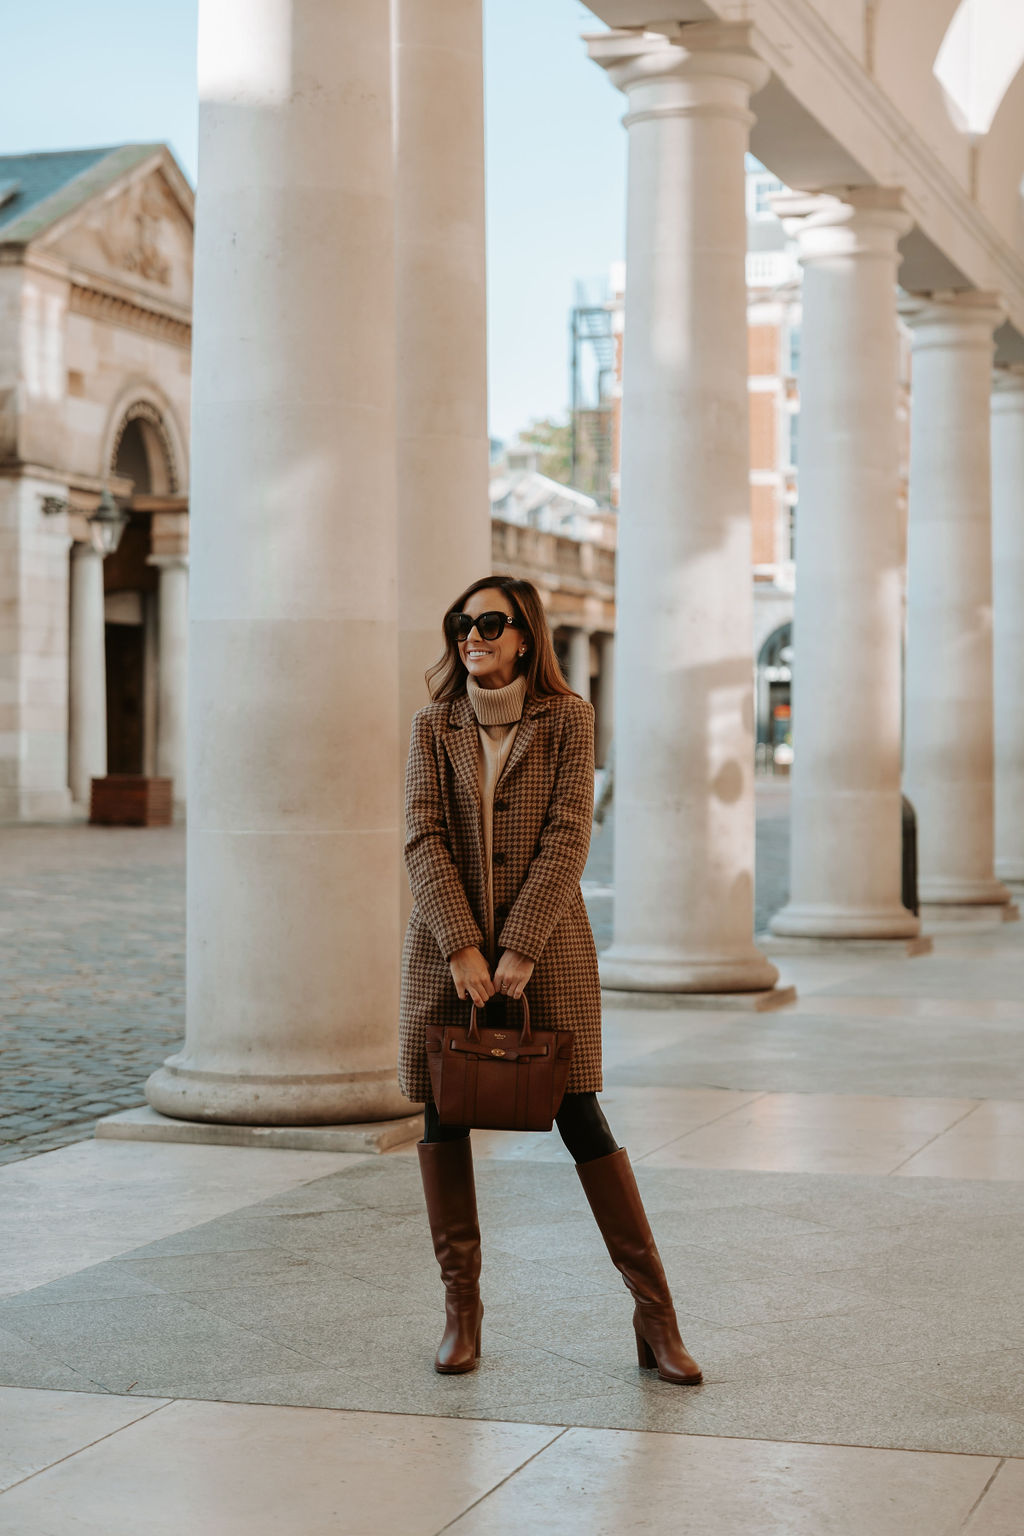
(106, 525)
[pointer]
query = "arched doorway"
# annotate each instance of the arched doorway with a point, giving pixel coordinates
(774, 700)
(142, 453)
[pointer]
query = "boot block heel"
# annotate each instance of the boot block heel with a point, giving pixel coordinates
(645, 1354)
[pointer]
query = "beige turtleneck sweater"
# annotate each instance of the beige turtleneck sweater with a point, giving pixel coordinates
(498, 711)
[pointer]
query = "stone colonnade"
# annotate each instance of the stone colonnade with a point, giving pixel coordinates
(87, 697)
(311, 282)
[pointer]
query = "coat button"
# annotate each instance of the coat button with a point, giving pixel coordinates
(501, 805)
(499, 858)
(501, 911)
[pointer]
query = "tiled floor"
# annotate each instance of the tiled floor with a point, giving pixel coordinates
(244, 1470)
(837, 1190)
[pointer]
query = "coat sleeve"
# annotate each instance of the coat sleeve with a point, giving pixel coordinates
(553, 877)
(436, 887)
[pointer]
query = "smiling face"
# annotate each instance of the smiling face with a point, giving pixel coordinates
(491, 663)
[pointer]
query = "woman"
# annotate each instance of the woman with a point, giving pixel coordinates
(499, 801)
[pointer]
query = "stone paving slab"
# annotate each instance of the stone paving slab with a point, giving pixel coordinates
(826, 1309)
(972, 1047)
(89, 1462)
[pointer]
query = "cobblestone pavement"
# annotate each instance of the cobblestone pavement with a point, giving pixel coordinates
(92, 984)
(92, 965)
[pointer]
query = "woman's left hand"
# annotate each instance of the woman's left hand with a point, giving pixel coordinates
(512, 973)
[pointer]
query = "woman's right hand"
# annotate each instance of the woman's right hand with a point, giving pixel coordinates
(472, 975)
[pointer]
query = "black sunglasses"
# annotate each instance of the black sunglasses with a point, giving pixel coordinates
(488, 625)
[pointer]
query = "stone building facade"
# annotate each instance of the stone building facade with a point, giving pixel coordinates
(564, 543)
(95, 333)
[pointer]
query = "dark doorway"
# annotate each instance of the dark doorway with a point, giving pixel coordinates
(125, 687)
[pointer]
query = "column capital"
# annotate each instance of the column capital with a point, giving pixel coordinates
(844, 221)
(1007, 386)
(965, 318)
(172, 562)
(681, 69)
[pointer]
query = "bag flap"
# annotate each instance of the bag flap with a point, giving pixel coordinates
(512, 1051)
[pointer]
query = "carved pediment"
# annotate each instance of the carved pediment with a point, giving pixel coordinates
(138, 235)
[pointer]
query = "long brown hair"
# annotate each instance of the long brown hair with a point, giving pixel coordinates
(446, 679)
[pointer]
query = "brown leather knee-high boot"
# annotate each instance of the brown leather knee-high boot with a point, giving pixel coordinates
(447, 1171)
(610, 1186)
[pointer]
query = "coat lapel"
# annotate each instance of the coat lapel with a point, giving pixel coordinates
(460, 742)
(524, 736)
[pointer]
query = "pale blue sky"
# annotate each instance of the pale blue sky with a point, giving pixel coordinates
(115, 71)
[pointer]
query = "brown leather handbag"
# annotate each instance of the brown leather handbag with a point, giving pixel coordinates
(498, 1079)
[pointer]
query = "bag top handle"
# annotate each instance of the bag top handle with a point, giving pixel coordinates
(525, 1034)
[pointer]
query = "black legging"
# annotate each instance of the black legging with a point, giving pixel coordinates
(581, 1125)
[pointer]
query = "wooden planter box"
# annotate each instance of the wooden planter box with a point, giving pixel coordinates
(131, 800)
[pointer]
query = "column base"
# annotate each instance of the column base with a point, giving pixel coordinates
(146, 1125)
(811, 920)
(962, 893)
(227, 1098)
(766, 1001)
(786, 945)
(625, 968)
(959, 914)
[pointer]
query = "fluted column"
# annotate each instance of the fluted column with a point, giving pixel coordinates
(293, 842)
(684, 791)
(845, 854)
(87, 681)
(172, 671)
(579, 662)
(1008, 619)
(948, 758)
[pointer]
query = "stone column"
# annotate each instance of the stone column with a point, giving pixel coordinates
(948, 756)
(579, 662)
(293, 844)
(684, 769)
(443, 510)
(1008, 619)
(845, 860)
(87, 694)
(605, 697)
(172, 671)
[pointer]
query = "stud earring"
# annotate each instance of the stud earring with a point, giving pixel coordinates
(522, 650)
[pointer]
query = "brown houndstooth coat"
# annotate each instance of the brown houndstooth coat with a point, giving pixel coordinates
(543, 808)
